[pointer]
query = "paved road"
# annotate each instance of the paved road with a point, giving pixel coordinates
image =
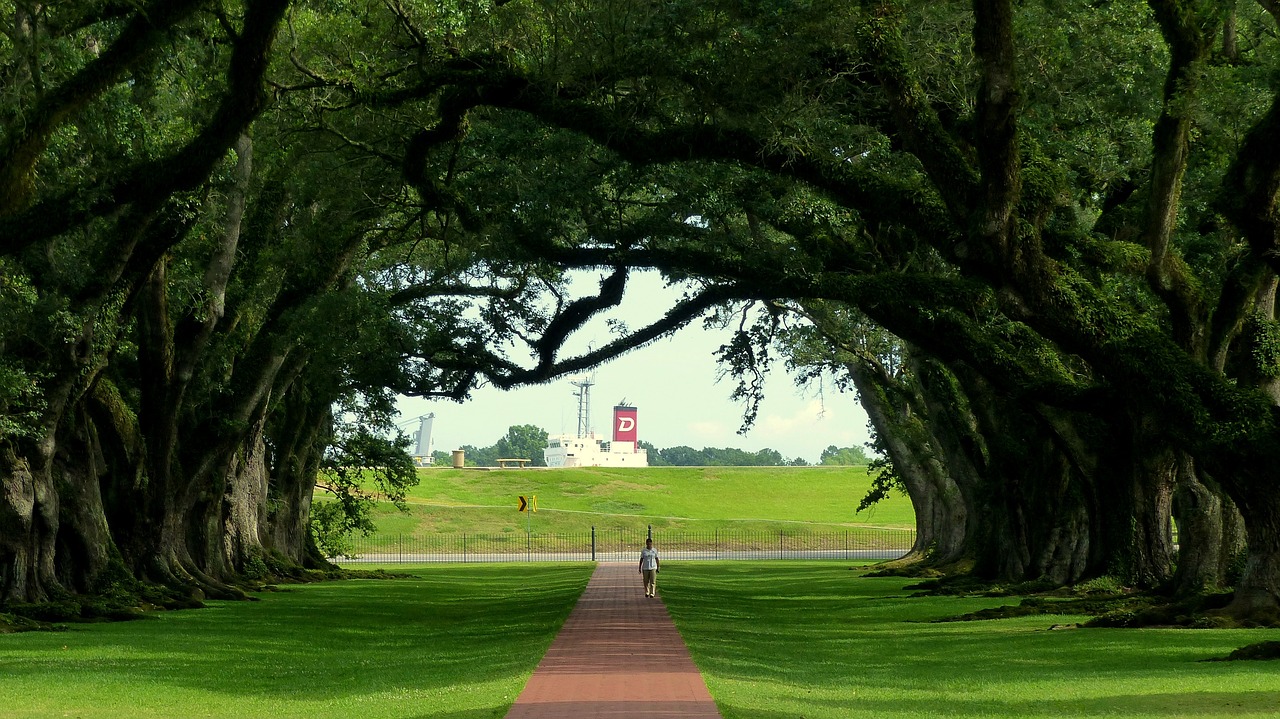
(618, 656)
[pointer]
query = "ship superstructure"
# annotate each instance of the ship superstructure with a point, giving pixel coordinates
(585, 449)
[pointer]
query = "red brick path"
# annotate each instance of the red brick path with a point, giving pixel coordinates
(617, 657)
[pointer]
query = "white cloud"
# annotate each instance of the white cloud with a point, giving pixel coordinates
(801, 420)
(709, 429)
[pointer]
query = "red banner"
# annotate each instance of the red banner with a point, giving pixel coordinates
(624, 424)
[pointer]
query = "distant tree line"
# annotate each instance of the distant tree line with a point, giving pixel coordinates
(685, 456)
(526, 441)
(522, 441)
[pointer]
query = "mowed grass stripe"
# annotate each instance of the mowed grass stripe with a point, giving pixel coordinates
(773, 640)
(455, 643)
(815, 640)
(682, 498)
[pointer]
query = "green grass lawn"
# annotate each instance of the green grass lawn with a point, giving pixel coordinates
(815, 640)
(774, 640)
(455, 643)
(681, 498)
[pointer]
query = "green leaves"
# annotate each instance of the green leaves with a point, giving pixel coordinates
(523, 441)
(1262, 337)
(21, 395)
(361, 466)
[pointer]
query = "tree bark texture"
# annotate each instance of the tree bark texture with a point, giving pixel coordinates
(1037, 518)
(1198, 509)
(244, 521)
(28, 531)
(299, 436)
(940, 514)
(84, 546)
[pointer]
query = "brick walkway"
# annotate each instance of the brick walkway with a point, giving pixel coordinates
(617, 657)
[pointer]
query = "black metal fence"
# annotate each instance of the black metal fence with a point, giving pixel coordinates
(616, 545)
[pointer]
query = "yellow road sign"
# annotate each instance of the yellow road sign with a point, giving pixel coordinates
(524, 503)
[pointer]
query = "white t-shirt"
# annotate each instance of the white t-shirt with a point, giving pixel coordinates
(648, 558)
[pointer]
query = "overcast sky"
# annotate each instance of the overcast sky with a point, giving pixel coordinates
(672, 383)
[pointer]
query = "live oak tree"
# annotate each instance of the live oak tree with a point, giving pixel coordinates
(1003, 484)
(194, 278)
(863, 358)
(523, 441)
(94, 197)
(844, 456)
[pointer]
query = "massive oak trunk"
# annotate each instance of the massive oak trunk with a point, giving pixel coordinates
(1257, 596)
(84, 548)
(1035, 509)
(298, 438)
(31, 507)
(244, 527)
(900, 421)
(1210, 533)
(28, 530)
(1258, 592)
(1138, 507)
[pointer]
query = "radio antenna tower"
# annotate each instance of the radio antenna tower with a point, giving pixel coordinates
(584, 404)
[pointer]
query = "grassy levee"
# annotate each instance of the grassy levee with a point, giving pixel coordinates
(815, 640)
(675, 498)
(455, 643)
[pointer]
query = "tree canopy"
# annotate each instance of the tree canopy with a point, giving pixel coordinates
(843, 456)
(1039, 240)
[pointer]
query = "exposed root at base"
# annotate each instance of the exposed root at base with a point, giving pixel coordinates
(1262, 651)
(131, 600)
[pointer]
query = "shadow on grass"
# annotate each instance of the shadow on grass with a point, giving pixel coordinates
(823, 641)
(454, 626)
(1208, 704)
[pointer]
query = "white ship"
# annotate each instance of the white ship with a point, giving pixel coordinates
(567, 450)
(585, 449)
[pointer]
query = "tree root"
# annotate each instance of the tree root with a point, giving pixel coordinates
(916, 565)
(1112, 608)
(1252, 652)
(14, 623)
(1105, 599)
(126, 601)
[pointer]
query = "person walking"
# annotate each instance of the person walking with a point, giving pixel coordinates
(649, 568)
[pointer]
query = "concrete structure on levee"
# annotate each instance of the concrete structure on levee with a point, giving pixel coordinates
(585, 449)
